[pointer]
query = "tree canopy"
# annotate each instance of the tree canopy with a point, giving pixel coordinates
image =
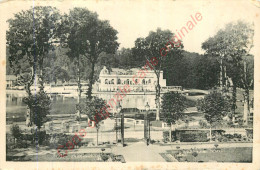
(151, 46)
(88, 36)
(173, 105)
(31, 35)
(215, 106)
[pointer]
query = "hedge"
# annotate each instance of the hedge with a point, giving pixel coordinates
(193, 136)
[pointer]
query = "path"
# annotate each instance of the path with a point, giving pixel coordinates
(139, 152)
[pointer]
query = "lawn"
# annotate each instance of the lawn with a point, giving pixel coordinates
(242, 154)
(81, 157)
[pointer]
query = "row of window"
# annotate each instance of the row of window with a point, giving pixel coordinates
(138, 89)
(144, 82)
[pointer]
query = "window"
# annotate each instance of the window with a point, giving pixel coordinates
(118, 81)
(112, 81)
(143, 81)
(149, 81)
(106, 81)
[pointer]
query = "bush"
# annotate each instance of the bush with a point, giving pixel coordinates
(190, 103)
(16, 131)
(203, 124)
(9, 146)
(40, 136)
(104, 157)
(40, 106)
(193, 136)
(152, 141)
(166, 137)
(63, 139)
(21, 144)
(195, 154)
(237, 135)
(249, 133)
(216, 146)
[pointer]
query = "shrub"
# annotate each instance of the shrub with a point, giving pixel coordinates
(152, 141)
(21, 144)
(203, 124)
(195, 154)
(40, 136)
(237, 135)
(16, 131)
(193, 136)
(104, 157)
(216, 145)
(166, 136)
(40, 106)
(249, 133)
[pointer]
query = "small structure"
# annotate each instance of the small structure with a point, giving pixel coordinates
(10, 81)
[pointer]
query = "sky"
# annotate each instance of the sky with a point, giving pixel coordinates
(133, 19)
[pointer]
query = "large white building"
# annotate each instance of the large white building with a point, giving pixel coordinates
(111, 80)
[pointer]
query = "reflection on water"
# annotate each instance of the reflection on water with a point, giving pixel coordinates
(66, 105)
(132, 101)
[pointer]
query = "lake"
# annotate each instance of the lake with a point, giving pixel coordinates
(62, 104)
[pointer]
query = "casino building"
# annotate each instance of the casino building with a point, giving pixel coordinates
(109, 81)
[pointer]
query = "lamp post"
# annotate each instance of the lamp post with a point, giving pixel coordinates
(118, 109)
(122, 126)
(149, 127)
(147, 108)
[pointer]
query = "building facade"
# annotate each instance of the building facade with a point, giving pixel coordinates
(109, 81)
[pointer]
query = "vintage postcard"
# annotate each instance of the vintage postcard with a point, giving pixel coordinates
(146, 84)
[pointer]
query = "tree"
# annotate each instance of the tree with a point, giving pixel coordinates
(229, 46)
(173, 105)
(191, 70)
(40, 106)
(57, 67)
(215, 106)
(31, 35)
(146, 48)
(87, 36)
(93, 107)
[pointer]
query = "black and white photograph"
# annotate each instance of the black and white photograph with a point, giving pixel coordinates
(157, 83)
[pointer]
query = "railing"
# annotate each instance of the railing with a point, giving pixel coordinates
(172, 88)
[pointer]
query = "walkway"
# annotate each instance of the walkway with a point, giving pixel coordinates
(139, 152)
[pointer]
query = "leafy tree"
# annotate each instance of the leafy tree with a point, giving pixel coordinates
(215, 106)
(59, 73)
(173, 105)
(31, 35)
(191, 70)
(58, 66)
(40, 105)
(151, 46)
(95, 108)
(87, 36)
(205, 72)
(229, 46)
